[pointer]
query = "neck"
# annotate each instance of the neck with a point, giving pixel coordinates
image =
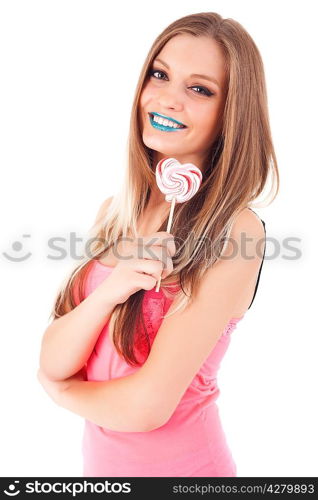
(156, 198)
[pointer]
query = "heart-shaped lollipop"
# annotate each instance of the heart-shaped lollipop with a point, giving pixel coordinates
(179, 183)
(176, 180)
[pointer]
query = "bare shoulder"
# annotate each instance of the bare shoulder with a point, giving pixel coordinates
(102, 209)
(247, 235)
(249, 221)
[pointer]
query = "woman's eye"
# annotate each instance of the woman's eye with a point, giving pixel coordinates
(153, 71)
(205, 91)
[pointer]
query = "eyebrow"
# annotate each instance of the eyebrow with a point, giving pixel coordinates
(205, 77)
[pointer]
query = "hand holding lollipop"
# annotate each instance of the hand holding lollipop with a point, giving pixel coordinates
(178, 182)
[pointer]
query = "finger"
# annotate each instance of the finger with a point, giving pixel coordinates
(160, 253)
(150, 267)
(146, 281)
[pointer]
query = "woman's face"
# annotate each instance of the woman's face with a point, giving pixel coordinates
(172, 90)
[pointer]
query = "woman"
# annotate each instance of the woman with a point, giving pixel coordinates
(144, 380)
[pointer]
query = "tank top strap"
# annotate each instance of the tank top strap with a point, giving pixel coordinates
(260, 269)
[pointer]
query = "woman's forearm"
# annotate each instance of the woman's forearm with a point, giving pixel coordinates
(68, 342)
(118, 404)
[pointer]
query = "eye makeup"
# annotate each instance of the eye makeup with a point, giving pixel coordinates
(206, 92)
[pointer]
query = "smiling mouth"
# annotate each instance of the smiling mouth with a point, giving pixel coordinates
(161, 126)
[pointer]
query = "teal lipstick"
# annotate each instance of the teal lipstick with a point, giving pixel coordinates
(164, 128)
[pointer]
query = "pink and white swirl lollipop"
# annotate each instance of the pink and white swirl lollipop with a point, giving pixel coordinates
(179, 183)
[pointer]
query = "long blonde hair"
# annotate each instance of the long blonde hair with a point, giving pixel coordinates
(240, 162)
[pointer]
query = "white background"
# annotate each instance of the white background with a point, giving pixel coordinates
(68, 75)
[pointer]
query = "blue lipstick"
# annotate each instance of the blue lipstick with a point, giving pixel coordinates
(165, 128)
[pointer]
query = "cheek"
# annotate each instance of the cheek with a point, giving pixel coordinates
(147, 94)
(142, 98)
(206, 124)
(205, 120)
(142, 106)
(211, 118)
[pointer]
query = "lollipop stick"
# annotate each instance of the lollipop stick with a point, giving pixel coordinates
(168, 230)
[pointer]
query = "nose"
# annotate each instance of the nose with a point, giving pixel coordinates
(170, 98)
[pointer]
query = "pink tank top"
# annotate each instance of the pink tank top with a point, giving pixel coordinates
(192, 442)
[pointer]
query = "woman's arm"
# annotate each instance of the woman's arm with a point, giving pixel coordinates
(68, 341)
(185, 339)
(146, 399)
(119, 404)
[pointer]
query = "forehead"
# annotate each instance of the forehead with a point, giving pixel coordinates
(186, 54)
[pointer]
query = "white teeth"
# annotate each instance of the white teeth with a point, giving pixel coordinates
(165, 122)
